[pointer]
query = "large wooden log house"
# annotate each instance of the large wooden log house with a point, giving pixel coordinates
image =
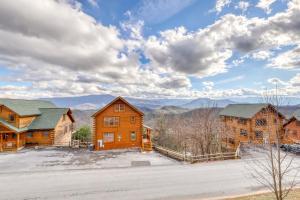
(251, 123)
(119, 125)
(33, 123)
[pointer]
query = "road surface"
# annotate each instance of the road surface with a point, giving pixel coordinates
(198, 181)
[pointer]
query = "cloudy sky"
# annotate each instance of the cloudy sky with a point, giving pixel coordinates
(149, 48)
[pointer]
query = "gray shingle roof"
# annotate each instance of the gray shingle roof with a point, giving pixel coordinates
(48, 119)
(26, 107)
(242, 110)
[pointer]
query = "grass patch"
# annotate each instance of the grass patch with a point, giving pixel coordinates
(294, 195)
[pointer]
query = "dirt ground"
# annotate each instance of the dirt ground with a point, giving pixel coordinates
(65, 158)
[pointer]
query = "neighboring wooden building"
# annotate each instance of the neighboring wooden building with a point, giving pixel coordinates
(292, 128)
(33, 122)
(251, 123)
(120, 125)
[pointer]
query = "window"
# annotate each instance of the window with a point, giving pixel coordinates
(243, 132)
(133, 136)
(108, 137)
(132, 119)
(29, 135)
(46, 134)
(242, 121)
(119, 107)
(111, 121)
(65, 129)
(261, 122)
(11, 117)
(119, 137)
(14, 136)
(258, 134)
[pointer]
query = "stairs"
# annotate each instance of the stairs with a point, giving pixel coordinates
(147, 146)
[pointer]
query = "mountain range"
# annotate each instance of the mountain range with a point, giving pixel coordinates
(92, 102)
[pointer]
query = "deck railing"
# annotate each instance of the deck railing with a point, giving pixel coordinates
(196, 158)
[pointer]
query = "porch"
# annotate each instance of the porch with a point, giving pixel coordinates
(146, 141)
(11, 141)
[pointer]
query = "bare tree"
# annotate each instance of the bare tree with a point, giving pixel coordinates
(276, 170)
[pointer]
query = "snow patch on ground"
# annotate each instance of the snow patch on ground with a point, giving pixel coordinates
(66, 159)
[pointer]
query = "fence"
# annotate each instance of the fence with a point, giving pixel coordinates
(198, 158)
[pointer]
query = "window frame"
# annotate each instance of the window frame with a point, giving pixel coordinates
(132, 119)
(111, 121)
(135, 136)
(108, 133)
(29, 133)
(260, 133)
(243, 132)
(261, 122)
(45, 134)
(119, 107)
(11, 117)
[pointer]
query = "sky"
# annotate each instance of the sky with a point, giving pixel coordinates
(149, 48)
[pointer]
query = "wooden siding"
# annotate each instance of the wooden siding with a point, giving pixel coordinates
(234, 126)
(292, 131)
(63, 131)
(122, 131)
(41, 137)
(25, 121)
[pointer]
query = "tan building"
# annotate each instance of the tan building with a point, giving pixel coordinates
(120, 125)
(33, 122)
(251, 123)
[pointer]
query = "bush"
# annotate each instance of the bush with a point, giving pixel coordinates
(83, 134)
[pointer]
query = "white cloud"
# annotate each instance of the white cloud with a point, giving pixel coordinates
(220, 4)
(287, 60)
(265, 5)
(262, 55)
(93, 3)
(243, 5)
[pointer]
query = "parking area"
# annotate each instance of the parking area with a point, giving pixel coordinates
(66, 159)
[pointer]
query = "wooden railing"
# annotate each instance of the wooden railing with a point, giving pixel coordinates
(196, 158)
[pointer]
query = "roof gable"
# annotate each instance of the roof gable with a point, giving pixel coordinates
(115, 100)
(26, 107)
(246, 111)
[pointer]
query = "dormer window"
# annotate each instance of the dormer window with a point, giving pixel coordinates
(11, 117)
(119, 107)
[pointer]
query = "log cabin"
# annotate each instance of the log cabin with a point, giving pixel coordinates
(33, 123)
(292, 128)
(251, 123)
(119, 125)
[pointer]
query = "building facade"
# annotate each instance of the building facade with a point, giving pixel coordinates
(119, 125)
(292, 128)
(251, 123)
(33, 123)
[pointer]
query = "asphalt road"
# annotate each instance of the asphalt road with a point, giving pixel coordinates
(198, 181)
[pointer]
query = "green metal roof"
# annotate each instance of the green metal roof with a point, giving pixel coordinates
(48, 119)
(26, 107)
(11, 127)
(242, 110)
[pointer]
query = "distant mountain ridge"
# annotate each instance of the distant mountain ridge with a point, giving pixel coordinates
(93, 102)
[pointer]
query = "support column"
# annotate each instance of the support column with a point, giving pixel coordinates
(1, 142)
(18, 141)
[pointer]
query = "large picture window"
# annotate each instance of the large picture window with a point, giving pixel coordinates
(111, 121)
(108, 137)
